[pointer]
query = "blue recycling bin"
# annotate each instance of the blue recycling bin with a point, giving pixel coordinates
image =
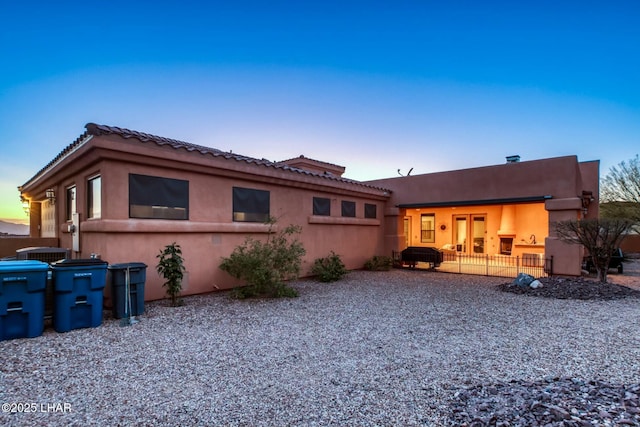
(135, 273)
(78, 289)
(22, 295)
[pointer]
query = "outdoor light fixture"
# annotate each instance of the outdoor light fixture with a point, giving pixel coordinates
(587, 198)
(25, 204)
(50, 194)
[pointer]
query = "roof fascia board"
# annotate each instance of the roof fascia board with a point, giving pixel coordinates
(504, 201)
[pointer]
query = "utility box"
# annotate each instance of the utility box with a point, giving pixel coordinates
(78, 286)
(22, 286)
(127, 275)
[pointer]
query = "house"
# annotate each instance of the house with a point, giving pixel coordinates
(124, 195)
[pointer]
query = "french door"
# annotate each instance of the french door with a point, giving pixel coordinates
(469, 233)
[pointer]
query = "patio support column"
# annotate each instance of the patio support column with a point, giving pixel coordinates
(393, 230)
(567, 258)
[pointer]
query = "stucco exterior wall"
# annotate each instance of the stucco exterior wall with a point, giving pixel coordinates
(210, 232)
(561, 180)
(518, 200)
(559, 177)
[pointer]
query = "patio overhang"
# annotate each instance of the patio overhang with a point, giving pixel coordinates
(503, 201)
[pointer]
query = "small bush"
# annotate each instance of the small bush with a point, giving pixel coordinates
(329, 268)
(379, 263)
(171, 268)
(265, 266)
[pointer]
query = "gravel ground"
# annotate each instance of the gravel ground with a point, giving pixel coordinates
(395, 348)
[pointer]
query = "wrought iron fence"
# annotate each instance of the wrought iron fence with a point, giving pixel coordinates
(494, 265)
(497, 265)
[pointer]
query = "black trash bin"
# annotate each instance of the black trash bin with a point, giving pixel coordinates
(135, 273)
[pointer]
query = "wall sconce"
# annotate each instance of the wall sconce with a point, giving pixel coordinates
(50, 194)
(25, 205)
(587, 198)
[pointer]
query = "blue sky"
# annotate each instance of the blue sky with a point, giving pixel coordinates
(373, 86)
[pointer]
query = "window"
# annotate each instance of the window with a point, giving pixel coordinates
(94, 197)
(370, 211)
(250, 205)
(71, 203)
(428, 228)
(321, 206)
(158, 198)
(348, 208)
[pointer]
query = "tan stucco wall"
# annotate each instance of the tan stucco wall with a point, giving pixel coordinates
(210, 233)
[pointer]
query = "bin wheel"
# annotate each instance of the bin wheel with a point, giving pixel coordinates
(620, 269)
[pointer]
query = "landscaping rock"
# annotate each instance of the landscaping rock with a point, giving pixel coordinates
(575, 403)
(571, 288)
(523, 280)
(535, 284)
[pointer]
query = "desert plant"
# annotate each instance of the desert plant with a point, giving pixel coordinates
(600, 237)
(329, 268)
(265, 266)
(379, 263)
(171, 267)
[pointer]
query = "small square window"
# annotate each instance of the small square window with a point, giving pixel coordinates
(348, 208)
(370, 211)
(321, 206)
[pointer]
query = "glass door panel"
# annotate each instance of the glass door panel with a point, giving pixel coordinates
(460, 233)
(407, 231)
(478, 233)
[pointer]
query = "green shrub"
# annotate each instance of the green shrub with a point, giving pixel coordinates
(265, 266)
(379, 263)
(171, 267)
(329, 268)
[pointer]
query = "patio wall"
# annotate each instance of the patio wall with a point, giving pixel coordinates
(9, 245)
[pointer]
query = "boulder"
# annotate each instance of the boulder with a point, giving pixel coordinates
(535, 284)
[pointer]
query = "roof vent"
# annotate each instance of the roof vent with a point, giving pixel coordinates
(513, 159)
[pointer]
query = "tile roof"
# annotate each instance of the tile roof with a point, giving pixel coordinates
(97, 130)
(333, 165)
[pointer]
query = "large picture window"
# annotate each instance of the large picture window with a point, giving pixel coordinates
(94, 197)
(250, 205)
(428, 228)
(321, 206)
(157, 197)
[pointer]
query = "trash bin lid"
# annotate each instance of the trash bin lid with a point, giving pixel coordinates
(24, 265)
(81, 262)
(125, 265)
